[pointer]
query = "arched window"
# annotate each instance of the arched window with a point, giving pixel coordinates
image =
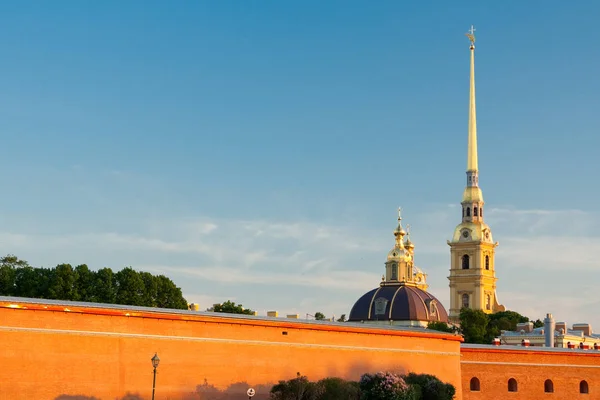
(512, 385)
(583, 387)
(475, 211)
(468, 211)
(475, 386)
(465, 262)
(487, 262)
(548, 386)
(465, 300)
(488, 302)
(394, 276)
(481, 212)
(463, 212)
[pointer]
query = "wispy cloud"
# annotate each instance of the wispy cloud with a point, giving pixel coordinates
(545, 261)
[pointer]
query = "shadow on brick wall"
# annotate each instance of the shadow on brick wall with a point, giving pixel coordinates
(128, 396)
(235, 391)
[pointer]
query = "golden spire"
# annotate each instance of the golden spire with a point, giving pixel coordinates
(472, 150)
(399, 232)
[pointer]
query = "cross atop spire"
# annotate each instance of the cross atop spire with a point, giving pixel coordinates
(471, 36)
(399, 214)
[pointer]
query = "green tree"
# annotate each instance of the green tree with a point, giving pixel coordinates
(8, 273)
(232, 308)
(440, 326)
(319, 316)
(105, 287)
(32, 282)
(338, 389)
(150, 295)
(62, 283)
(299, 388)
(168, 295)
(474, 325)
(538, 323)
(342, 318)
(85, 283)
(130, 287)
(431, 388)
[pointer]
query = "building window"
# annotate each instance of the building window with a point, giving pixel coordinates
(488, 302)
(394, 272)
(465, 262)
(512, 385)
(583, 387)
(468, 211)
(487, 262)
(465, 300)
(475, 211)
(481, 212)
(475, 385)
(548, 386)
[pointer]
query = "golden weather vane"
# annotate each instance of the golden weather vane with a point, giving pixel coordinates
(471, 35)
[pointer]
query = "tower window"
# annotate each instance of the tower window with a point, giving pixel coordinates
(465, 300)
(583, 387)
(394, 272)
(487, 262)
(481, 212)
(468, 211)
(488, 302)
(463, 212)
(548, 386)
(475, 386)
(465, 262)
(475, 211)
(512, 385)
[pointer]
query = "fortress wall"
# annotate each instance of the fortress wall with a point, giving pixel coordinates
(531, 367)
(53, 349)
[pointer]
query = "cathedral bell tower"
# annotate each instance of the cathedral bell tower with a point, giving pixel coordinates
(472, 249)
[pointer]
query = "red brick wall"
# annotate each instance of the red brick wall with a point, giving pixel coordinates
(530, 367)
(48, 352)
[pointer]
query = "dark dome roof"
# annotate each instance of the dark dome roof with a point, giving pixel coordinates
(398, 303)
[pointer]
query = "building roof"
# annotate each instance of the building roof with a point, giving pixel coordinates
(398, 303)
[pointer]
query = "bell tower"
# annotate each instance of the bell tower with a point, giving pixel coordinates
(472, 249)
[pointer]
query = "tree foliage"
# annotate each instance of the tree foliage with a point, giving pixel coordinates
(479, 327)
(431, 388)
(319, 316)
(440, 326)
(63, 282)
(379, 386)
(232, 308)
(387, 386)
(299, 388)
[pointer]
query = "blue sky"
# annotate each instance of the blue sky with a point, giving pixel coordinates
(257, 151)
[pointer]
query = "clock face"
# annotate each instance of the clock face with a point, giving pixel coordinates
(465, 234)
(487, 234)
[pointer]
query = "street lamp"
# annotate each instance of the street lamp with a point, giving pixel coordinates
(155, 361)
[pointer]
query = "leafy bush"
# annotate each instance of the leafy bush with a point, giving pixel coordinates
(299, 388)
(379, 386)
(339, 389)
(431, 387)
(386, 386)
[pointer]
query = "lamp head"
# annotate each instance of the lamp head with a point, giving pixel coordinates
(155, 360)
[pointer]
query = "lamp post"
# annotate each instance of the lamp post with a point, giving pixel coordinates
(155, 361)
